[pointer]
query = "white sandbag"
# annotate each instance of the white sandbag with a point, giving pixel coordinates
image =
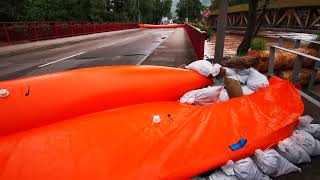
(317, 151)
(243, 71)
(306, 141)
(230, 71)
(313, 129)
(220, 175)
(224, 96)
(246, 169)
(246, 90)
(293, 152)
(273, 164)
(304, 121)
(204, 96)
(204, 68)
(256, 80)
(305, 125)
(216, 70)
(241, 75)
(228, 168)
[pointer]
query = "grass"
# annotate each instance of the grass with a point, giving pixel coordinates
(258, 44)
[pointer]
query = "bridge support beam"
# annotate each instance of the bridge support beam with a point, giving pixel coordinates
(302, 18)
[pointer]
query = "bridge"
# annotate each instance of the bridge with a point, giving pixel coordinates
(29, 49)
(285, 15)
(65, 46)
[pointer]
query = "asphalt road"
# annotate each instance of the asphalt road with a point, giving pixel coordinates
(127, 48)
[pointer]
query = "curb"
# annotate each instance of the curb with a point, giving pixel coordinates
(151, 52)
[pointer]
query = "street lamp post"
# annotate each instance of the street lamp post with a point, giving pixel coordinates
(187, 13)
(138, 11)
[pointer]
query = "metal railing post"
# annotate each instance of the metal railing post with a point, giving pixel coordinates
(70, 25)
(36, 32)
(313, 77)
(296, 70)
(7, 34)
(297, 43)
(314, 73)
(271, 61)
(55, 31)
(280, 41)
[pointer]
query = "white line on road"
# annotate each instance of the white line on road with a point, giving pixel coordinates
(47, 64)
(149, 53)
(102, 46)
(119, 41)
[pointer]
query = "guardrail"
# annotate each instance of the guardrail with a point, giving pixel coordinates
(17, 32)
(297, 66)
(317, 64)
(198, 39)
(297, 41)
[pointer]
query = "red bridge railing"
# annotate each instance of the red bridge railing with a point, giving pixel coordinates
(17, 32)
(198, 39)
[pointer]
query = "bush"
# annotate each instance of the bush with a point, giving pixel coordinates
(318, 35)
(208, 30)
(258, 44)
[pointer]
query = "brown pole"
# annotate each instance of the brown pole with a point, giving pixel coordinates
(221, 27)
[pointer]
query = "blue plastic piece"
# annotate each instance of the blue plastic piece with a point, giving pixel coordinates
(240, 144)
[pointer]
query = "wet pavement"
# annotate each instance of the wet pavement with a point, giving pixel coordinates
(124, 48)
(176, 50)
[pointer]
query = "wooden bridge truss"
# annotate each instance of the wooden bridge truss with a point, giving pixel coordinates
(307, 18)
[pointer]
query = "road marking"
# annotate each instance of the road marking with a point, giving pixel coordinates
(47, 64)
(105, 45)
(120, 41)
(149, 53)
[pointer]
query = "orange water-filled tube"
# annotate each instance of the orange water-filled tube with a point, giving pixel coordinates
(40, 100)
(126, 143)
(153, 26)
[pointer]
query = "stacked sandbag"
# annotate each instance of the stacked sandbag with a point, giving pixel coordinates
(250, 80)
(243, 62)
(204, 68)
(283, 63)
(236, 83)
(204, 96)
(279, 161)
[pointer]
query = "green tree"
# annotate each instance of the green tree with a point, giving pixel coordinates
(46, 10)
(254, 23)
(189, 8)
(151, 11)
(11, 10)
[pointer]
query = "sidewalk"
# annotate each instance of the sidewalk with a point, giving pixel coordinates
(46, 44)
(174, 51)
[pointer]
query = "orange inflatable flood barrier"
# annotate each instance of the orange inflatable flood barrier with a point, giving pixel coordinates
(153, 26)
(40, 100)
(125, 143)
